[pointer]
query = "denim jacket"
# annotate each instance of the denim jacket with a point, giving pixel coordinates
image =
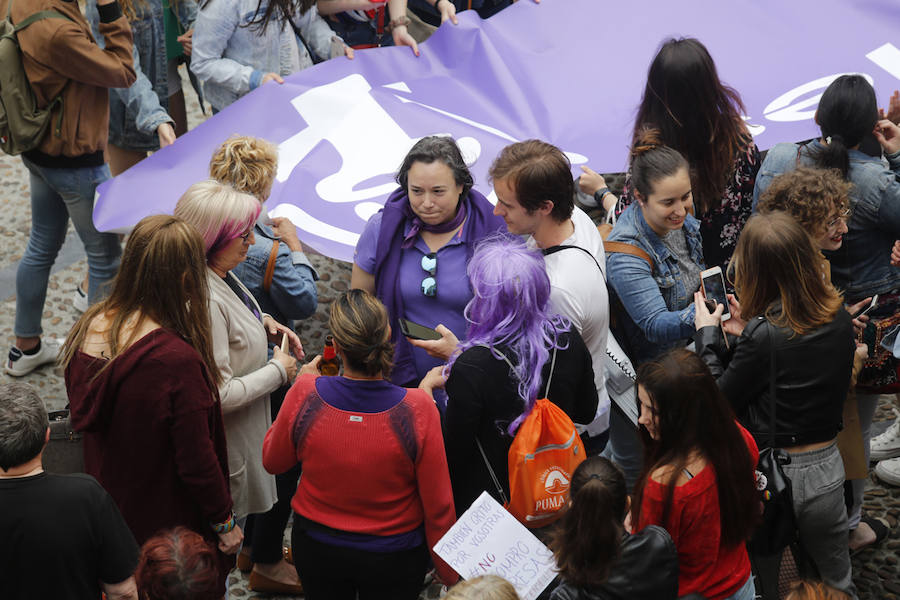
(230, 58)
(293, 293)
(136, 112)
(861, 267)
(660, 308)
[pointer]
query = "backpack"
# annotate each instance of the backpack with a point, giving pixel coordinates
(22, 124)
(541, 460)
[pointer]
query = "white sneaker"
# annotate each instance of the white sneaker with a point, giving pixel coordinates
(79, 300)
(19, 363)
(887, 444)
(888, 471)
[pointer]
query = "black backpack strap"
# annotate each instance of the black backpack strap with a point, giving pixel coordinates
(555, 249)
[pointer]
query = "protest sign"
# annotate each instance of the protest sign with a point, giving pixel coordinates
(488, 540)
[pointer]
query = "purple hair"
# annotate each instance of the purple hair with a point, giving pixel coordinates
(511, 308)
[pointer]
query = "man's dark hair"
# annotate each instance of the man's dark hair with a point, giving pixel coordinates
(537, 171)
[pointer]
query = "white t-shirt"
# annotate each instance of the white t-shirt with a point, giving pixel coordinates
(578, 291)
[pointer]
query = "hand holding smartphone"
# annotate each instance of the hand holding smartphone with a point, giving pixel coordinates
(713, 285)
(416, 331)
(870, 306)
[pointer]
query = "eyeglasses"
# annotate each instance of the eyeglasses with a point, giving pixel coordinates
(429, 265)
(246, 236)
(843, 216)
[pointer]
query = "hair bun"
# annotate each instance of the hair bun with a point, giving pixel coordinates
(647, 140)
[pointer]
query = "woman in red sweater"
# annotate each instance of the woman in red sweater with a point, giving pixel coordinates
(698, 480)
(375, 491)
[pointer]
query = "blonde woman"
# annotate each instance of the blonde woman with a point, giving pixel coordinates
(249, 165)
(241, 331)
(283, 282)
(485, 587)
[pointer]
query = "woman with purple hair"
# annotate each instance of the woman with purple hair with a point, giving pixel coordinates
(510, 323)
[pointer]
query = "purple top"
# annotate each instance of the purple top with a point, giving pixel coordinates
(359, 395)
(453, 289)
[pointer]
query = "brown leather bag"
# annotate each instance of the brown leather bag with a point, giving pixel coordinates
(270, 266)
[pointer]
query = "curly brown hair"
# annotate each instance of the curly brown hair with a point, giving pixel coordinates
(812, 196)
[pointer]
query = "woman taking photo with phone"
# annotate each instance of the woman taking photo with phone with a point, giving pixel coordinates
(791, 313)
(412, 255)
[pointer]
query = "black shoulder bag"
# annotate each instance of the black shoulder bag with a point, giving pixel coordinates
(778, 528)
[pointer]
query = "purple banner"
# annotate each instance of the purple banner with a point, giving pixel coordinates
(567, 71)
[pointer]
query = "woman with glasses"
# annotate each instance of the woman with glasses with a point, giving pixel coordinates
(413, 254)
(847, 114)
(240, 336)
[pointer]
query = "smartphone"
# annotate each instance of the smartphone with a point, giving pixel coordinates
(285, 343)
(417, 332)
(871, 305)
(714, 288)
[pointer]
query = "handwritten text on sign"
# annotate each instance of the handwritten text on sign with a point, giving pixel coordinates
(488, 540)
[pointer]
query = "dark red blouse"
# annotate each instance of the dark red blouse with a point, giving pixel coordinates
(153, 435)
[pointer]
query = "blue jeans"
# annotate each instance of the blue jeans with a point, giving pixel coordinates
(746, 591)
(56, 196)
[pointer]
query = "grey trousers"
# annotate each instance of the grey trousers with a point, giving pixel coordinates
(817, 480)
(866, 404)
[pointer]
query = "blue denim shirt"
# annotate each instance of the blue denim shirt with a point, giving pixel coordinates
(660, 306)
(136, 112)
(230, 58)
(861, 267)
(293, 293)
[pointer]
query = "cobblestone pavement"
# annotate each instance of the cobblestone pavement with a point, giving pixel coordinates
(876, 570)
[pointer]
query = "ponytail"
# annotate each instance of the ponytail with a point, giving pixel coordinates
(587, 541)
(847, 113)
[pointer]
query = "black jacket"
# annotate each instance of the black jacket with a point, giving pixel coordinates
(646, 568)
(812, 376)
(484, 400)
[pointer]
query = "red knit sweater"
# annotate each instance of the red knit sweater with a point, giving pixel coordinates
(379, 473)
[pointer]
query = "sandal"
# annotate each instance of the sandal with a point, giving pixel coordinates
(879, 526)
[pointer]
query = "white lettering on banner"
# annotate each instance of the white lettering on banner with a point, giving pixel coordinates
(336, 113)
(487, 539)
(887, 57)
(790, 107)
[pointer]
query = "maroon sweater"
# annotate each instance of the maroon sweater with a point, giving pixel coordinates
(153, 435)
(380, 473)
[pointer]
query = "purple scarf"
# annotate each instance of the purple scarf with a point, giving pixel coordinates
(409, 240)
(480, 222)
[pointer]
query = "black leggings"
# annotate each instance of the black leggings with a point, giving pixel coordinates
(264, 532)
(338, 573)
